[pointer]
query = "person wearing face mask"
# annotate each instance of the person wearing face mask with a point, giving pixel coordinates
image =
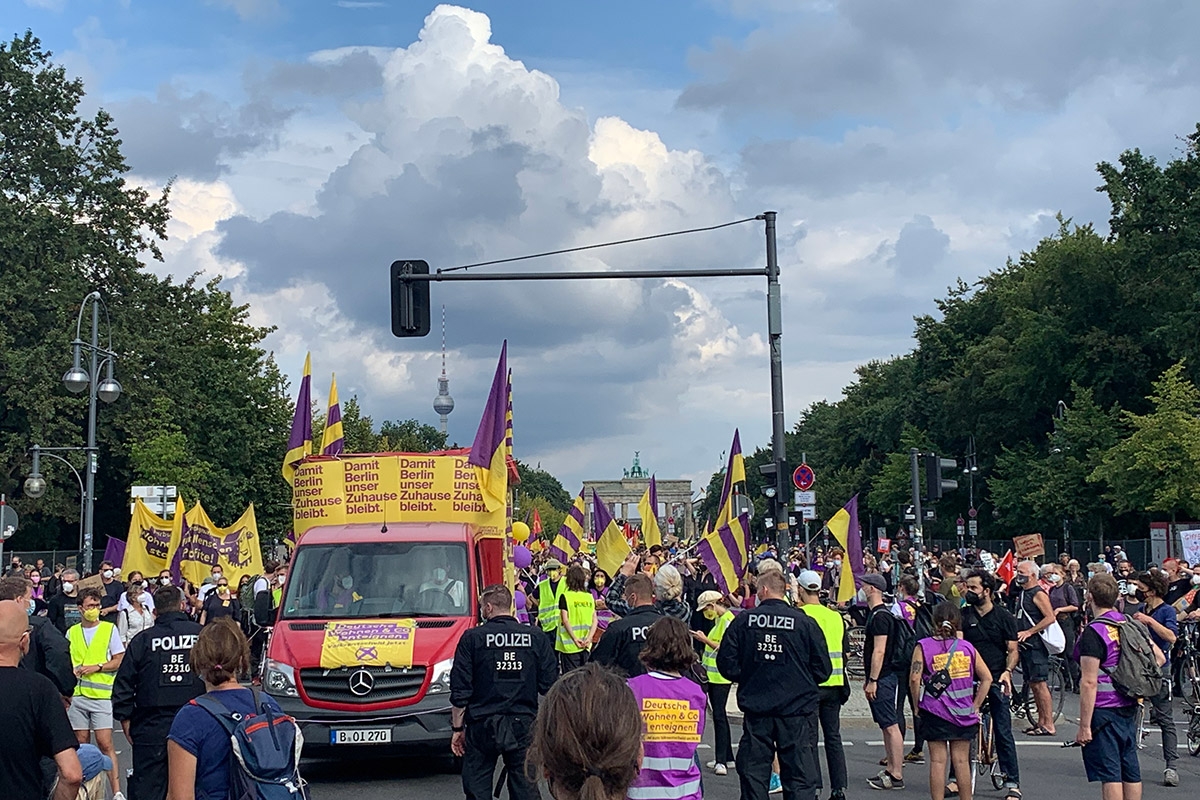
(35, 725)
(712, 606)
(1035, 614)
(1066, 604)
(441, 581)
(221, 602)
(96, 653)
(992, 631)
(1163, 623)
(164, 577)
(835, 690)
(598, 586)
(111, 590)
(549, 590)
(64, 607)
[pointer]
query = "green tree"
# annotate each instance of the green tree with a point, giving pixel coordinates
(552, 517)
(410, 436)
(1157, 467)
(892, 488)
(161, 454)
(71, 224)
(537, 482)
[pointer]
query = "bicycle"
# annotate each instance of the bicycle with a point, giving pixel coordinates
(1143, 733)
(986, 762)
(1023, 703)
(855, 664)
(1190, 673)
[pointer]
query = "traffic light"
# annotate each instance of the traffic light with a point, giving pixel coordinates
(410, 299)
(935, 484)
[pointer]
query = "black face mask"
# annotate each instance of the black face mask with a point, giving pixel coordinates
(974, 598)
(1139, 595)
(1022, 580)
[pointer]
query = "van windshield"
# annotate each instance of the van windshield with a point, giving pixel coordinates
(403, 579)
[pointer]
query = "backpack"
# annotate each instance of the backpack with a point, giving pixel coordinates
(266, 745)
(903, 646)
(1136, 674)
(246, 592)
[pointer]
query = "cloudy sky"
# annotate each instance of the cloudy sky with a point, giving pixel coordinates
(904, 145)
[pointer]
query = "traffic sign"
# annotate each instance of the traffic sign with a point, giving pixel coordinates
(808, 512)
(806, 498)
(973, 527)
(9, 522)
(804, 477)
(973, 512)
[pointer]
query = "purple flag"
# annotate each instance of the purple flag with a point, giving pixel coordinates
(114, 551)
(488, 451)
(854, 540)
(300, 440)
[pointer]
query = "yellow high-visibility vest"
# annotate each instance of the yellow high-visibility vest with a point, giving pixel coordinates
(548, 604)
(709, 659)
(581, 611)
(834, 628)
(98, 685)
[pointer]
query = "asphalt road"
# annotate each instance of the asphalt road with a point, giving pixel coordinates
(1047, 770)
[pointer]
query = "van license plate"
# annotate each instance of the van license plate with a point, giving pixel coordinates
(361, 736)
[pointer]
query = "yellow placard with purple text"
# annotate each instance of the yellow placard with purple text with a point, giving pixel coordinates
(390, 488)
(384, 642)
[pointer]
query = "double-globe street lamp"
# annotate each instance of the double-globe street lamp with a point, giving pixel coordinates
(78, 379)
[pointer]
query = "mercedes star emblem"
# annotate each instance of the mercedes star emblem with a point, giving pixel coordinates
(361, 683)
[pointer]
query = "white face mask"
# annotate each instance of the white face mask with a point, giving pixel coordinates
(1054, 578)
(1196, 579)
(439, 575)
(861, 596)
(282, 580)
(347, 582)
(108, 573)
(164, 581)
(68, 587)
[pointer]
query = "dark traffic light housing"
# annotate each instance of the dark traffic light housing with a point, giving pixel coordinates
(935, 484)
(410, 299)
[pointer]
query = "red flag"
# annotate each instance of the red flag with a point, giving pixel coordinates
(1007, 570)
(536, 527)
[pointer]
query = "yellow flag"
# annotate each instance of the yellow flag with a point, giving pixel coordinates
(611, 547)
(648, 511)
(202, 545)
(149, 543)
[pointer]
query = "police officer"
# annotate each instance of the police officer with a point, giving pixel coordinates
(777, 656)
(834, 691)
(624, 639)
(499, 670)
(154, 681)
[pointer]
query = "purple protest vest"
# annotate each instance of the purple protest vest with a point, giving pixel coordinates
(956, 705)
(1107, 695)
(606, 616)
(672, 722)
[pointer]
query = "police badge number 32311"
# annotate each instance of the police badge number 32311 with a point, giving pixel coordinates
(768, 647)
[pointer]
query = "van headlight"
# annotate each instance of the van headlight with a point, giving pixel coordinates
(441, 677)
(280, 679)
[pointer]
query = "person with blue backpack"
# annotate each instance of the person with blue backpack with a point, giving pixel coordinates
(231, 743)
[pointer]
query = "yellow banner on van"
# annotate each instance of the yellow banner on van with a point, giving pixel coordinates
(373, 643)
(391, 488)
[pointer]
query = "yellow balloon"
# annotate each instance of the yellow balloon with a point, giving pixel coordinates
(520, 532)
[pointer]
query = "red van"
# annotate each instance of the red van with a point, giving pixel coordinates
(427, 576)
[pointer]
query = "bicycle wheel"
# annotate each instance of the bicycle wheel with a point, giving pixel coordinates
(853, 659)
(998, 777)
(1055, 682)
(1023, 705)
(1139, 725)
(1193, 732)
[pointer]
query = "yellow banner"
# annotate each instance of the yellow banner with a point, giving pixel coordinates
(369, 643)
(670, 720)
(201, 544)
(391, 488)
(149, 543)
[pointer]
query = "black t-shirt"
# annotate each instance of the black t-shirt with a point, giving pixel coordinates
(990, 634)
(216, 608)
(1090, 644)
(1176, 590)
(112, 595)
(64, 612)
(35, 726)
(880, 622)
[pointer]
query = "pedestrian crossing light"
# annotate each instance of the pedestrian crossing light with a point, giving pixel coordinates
(935, 484)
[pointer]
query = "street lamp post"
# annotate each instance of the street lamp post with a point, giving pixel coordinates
(1060, 412)
(77, 380)
(35, 484)
(969, 469)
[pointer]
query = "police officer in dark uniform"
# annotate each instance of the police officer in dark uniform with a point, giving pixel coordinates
(499, 670)
(154, 681)
(624, 639)
(777, 656)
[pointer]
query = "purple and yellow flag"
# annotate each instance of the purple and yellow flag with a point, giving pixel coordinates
(725, 552)
(508, 421)
(333, 439)
(569, 540)
(648, 511)
(611, 545)
(735, 473)
(300, 439)
(490, 448)
(844, 527)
